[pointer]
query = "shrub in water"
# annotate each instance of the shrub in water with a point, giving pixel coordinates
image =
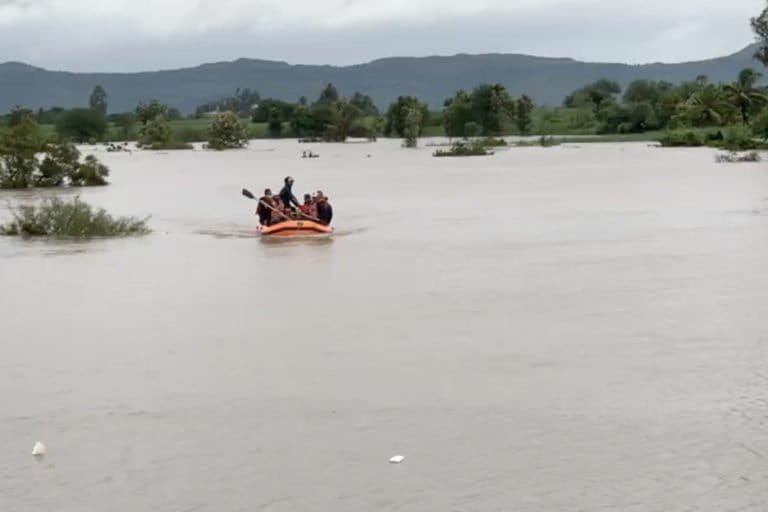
(491, 142)
(89, 173)
(734, 157)
(75, 218)
(227, 132)
(545, 141)
(18, 149)
(27, 161)
(738, 138)
(157, 134)
(681, 138)
(463, 149)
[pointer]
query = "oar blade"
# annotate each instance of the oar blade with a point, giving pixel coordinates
(247, 193)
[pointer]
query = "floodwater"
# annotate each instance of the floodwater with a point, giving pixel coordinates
(564, 329)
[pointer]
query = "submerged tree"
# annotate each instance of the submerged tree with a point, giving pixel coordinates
(21, 152)
(155, 133)
(227, 132)
(343, 115)
(395, 118)
(18, 154)
(412, 129)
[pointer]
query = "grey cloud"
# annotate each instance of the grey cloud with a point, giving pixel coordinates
(584, 29)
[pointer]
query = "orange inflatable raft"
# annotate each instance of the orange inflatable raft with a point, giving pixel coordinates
(296, 228)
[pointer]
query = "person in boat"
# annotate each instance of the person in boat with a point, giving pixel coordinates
(276, 215)
(265, 208)
(286, 194)
(308, 206)
(324, 209)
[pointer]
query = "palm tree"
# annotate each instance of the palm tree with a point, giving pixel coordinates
(743, 95)
(707, 107)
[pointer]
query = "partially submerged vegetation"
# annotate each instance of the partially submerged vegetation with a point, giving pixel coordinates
(155, 132)
(75, 218)
(227, 132)
(26, 160)
(735, 138)
(491, 142)
(734, 157)
(544, 141)
(464, 148)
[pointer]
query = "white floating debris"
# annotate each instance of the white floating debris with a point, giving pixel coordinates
(397, 459)
(39, 449)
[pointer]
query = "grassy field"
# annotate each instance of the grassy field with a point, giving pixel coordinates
(568, 125)
(184, 130)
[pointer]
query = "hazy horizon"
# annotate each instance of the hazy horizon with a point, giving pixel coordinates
(145, 35)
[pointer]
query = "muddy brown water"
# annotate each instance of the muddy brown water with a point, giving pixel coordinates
(575, 328)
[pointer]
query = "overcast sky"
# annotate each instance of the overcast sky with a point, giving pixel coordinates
(131, 35)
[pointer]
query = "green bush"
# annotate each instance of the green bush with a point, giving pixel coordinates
(682, 138)
(57, 217)
(738, 138)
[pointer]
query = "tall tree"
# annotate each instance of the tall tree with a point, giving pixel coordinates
(593, 95)
(743, 95)
(82, 125)
(707, 107)
(458, 112)
(328, 95)
(343, 114)
(98, 100)
(760, 27)
(364, 104)
(492, 107)
(524, 111)
(147, 112)
(412, 129)
(395, 118)
(17, 115)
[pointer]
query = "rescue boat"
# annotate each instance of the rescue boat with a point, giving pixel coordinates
(296, 228)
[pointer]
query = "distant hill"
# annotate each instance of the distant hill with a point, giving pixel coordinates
(547, 80)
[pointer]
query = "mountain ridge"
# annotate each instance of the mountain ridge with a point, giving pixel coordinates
(433, 78)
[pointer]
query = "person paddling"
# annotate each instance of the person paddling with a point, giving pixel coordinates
(286, 194)
(265, 208)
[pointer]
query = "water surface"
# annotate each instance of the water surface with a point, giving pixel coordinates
(574, 328)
